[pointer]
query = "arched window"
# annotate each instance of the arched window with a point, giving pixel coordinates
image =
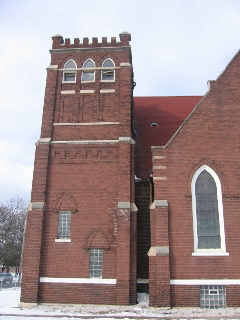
(89, 74)
(108, 73)
(70, 74)
(208, 222)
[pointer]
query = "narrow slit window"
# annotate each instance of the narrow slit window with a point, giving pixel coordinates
(64, 221)
(96, 256)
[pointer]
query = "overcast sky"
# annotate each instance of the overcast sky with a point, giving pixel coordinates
(177, 46)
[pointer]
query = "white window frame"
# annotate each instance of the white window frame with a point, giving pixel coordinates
(108, 69)
(68, 226)
(88, 70)
(71, 71)
(208, 252)
(95, 264)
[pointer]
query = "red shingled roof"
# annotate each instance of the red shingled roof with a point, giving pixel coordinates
(168, 113)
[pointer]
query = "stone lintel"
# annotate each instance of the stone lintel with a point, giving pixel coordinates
(68, 92)
(38, 205)
(159, 178)
(52, 67)
(158, 251)
(107, 90)
(159, 157)
(87, 91)
(159, 167)
(126, 64)
(43, 140)
(126, 139)
(161, 203)
(124, 205)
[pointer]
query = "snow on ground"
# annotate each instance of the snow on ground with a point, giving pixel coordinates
(9, 299)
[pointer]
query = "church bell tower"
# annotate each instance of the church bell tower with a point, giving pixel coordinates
(80, 241)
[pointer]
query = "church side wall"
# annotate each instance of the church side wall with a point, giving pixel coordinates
(210, 137)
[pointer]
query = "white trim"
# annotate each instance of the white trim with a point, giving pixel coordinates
(85, 141)
(68, 81)
(87, 91)
(38, 205)
(208, 252)
(125, 64)
(84, 123)
(69, 70)
(161, 203)
(63, 240)
(159, 178)
(43, 140)
(127, 139)
(107, 90)
(107, 68)
(160, 167)
(77, 280)
(104, 81)
(121, 139)
(159, 157)
(187, 282)
(52, 67)
(95, 68)
(124, 205)
(67, 91)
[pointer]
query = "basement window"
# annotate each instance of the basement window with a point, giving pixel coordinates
(154, 124)
(212, 297)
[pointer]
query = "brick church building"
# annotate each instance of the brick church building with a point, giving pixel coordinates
(131, 193)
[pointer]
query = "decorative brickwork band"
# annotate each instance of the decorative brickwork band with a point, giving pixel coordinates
(97, 239)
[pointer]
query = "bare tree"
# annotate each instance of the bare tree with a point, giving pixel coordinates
(12, 218)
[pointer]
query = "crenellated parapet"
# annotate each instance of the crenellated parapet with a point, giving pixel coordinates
(60, 43)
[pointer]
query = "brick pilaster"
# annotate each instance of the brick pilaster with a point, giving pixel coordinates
(159, 271)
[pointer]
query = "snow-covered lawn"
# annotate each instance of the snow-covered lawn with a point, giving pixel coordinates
(9, 299)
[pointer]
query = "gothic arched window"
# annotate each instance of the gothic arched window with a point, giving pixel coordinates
(208, 222)
(89, 74)
(70, 74)
(108, 73)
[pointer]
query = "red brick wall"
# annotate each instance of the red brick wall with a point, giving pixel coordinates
(93, 178)
(211, 137)
(77, 294)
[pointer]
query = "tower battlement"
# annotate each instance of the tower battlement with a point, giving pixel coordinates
(60, 43)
